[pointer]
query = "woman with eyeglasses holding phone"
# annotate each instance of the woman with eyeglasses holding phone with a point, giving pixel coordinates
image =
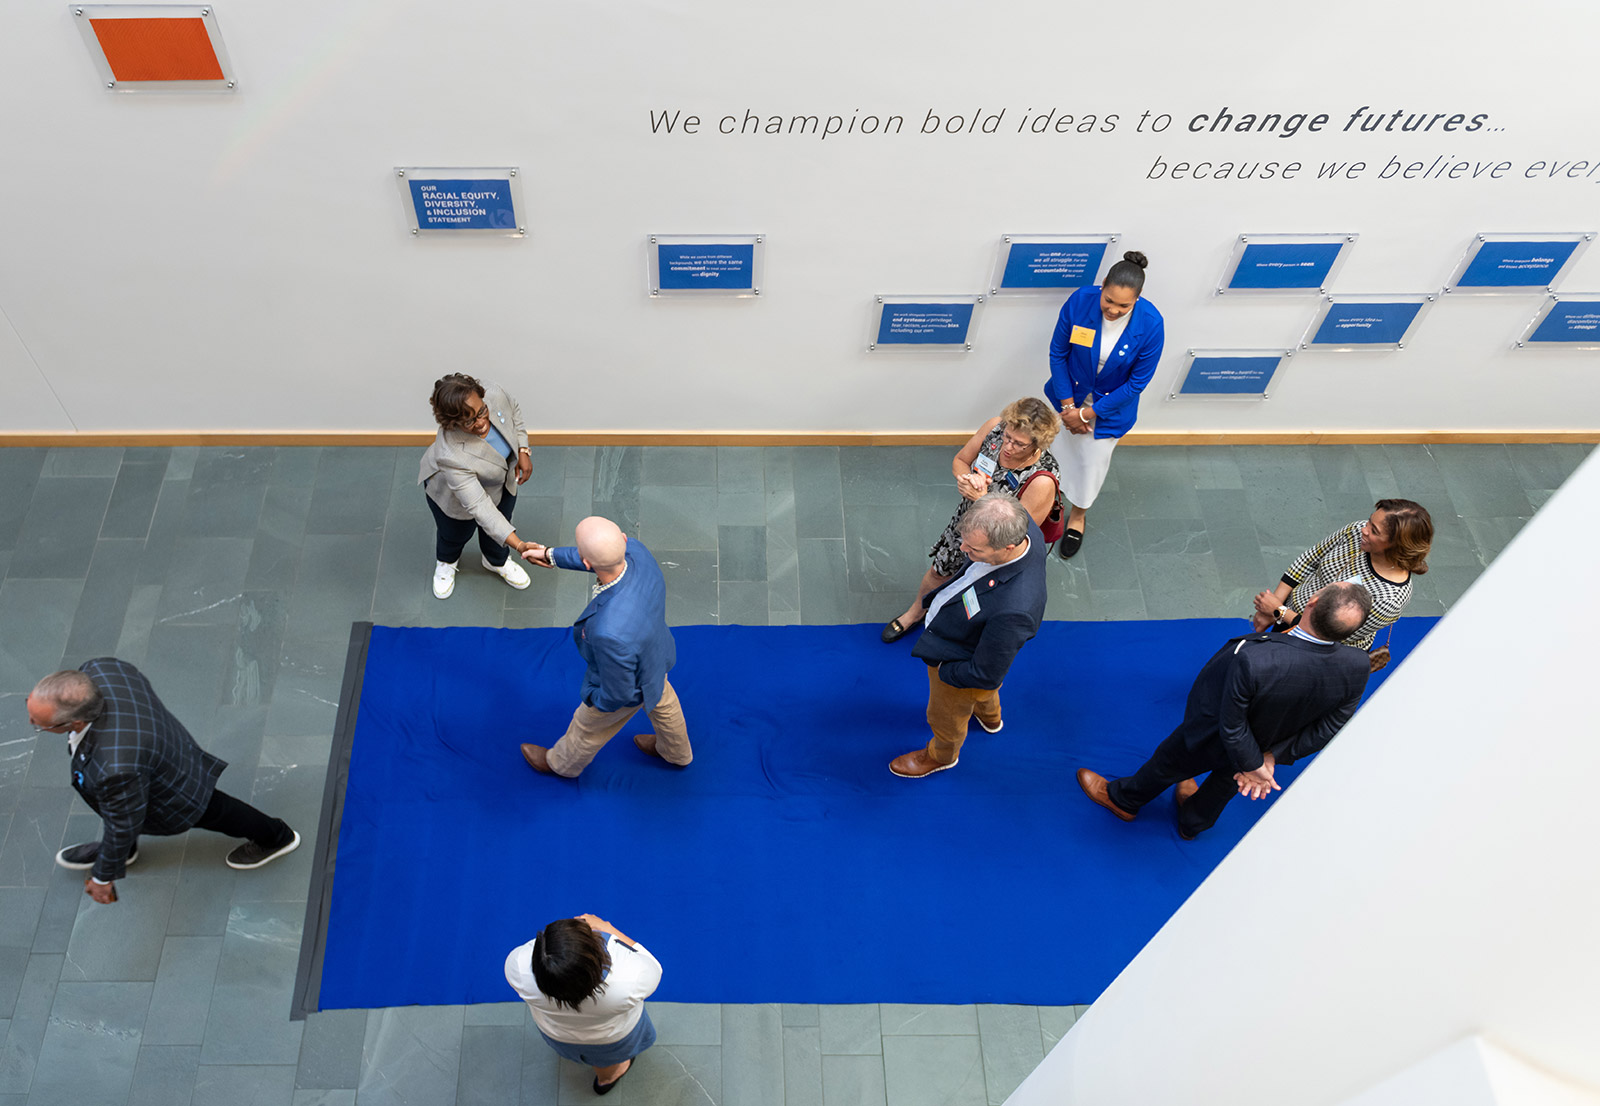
(470, 474)
(1005, 454)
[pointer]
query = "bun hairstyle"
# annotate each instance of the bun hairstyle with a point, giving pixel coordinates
(1129, 272)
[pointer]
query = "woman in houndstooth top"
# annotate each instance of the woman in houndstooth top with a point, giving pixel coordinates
(1383, 552)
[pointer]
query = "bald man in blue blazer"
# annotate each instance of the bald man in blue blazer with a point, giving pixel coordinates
(623, 637)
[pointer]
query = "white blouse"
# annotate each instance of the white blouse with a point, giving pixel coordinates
(606, 1017)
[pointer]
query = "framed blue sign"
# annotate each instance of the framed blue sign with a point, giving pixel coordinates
(1229, 373)
(1284, 263)
(1052, 264)
(926, 324)
(706, 264)
(1503, 263)
(462, 201)
(1368, 322)
(1564, 322)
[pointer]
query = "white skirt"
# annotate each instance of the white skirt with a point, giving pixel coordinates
(1084, 461)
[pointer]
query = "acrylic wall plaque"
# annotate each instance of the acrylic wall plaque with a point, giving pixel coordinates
(462, 201)
(925, 324)
(1501, 264)
(1564, 322)
(155, 47)
(1283, 264)
(706, 264)
(1229, 373)
(1366, 322)
(1048, 264)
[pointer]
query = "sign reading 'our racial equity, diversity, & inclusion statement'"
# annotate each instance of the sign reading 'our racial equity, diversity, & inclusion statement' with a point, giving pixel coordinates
(463, 204)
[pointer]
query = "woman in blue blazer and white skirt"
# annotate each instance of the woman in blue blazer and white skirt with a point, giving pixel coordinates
(1107, 343)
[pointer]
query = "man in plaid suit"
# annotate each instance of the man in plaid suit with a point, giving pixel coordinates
(138, 768)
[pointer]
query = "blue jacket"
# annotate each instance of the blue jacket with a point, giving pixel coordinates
(1129, 368)
(622, 634)
(977, 651)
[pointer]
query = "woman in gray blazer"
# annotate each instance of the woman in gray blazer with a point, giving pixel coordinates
(470, 474)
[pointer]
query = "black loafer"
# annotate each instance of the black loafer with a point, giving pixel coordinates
(1070, 543)
(607, 1088)
(894, 631)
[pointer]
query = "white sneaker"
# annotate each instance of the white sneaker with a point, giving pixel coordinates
(511, 572)
(444, 579)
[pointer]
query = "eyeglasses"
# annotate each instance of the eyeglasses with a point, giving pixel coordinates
(1017, 443)
(476, 414)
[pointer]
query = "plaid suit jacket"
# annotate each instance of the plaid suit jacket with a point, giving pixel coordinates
(137, 767)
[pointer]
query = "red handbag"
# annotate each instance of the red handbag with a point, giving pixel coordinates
(1055, 523)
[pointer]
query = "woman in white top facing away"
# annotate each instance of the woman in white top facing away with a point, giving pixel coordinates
(585, 983)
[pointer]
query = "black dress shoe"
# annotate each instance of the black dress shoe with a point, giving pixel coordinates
(607, 1088)
(894, 631)
(1070, 543)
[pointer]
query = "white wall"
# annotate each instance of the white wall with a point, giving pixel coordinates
(1430, 877)
(240, 261)
(1473, 1072)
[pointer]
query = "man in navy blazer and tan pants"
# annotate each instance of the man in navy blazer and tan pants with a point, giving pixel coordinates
(975, 626)
(623, 636)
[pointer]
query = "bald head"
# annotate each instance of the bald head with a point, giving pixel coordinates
(64, 698)
(601, 543)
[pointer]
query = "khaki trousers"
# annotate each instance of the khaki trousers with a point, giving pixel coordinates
(950, 709)
(590, 729)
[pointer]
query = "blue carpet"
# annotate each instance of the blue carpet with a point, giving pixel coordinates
(787, 864)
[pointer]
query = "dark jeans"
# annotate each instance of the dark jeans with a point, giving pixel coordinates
(236, 818)
(454, 533)
(1172, 762)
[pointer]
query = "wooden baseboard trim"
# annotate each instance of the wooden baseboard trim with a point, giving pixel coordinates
(420, 439)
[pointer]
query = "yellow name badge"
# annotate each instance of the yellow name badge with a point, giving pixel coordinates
(1082, 336)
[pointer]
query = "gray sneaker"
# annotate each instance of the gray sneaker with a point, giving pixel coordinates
(80, 858)
(250, 855)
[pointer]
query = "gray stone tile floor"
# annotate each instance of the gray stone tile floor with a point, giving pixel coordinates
(231, 576)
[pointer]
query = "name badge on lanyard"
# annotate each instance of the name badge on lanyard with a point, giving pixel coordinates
(969, 600)
(984, 464)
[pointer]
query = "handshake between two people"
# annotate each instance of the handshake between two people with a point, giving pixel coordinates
(534, 553)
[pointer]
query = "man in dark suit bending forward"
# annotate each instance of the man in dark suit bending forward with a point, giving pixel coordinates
(1263, 700)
